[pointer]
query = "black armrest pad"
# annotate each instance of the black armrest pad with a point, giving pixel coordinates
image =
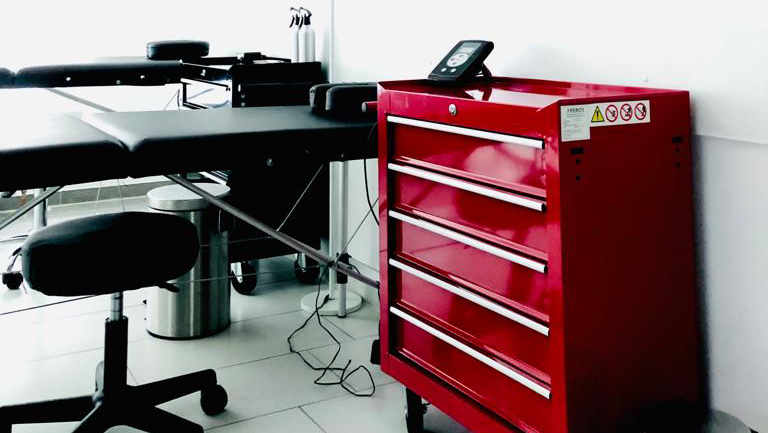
(57, 150)
(132, 71)
(6, 78)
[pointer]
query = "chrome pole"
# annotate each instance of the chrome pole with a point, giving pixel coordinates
(27, 207)
(282, 237)
(116, 312)
(40, 214)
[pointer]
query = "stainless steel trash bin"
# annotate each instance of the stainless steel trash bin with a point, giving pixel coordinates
(201, 307)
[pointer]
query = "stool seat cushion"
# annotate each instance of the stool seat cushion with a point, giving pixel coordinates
(109, 253)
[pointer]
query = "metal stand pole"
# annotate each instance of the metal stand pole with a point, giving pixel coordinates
(340, 302)
(27, 207)
(40, 214)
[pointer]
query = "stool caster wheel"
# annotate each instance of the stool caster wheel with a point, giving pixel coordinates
(414, 412)
(213, 401)
(13, 281)
(244, 281)
(307, 270)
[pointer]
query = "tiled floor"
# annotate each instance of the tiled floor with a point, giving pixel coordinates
(51, 352)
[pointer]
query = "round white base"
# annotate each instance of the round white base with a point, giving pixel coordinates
(331, 308)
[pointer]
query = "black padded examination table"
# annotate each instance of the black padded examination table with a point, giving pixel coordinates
(6, 78)
(58, 150)
(61, 150)
(64, 150)
(161, 142)
(106, 71)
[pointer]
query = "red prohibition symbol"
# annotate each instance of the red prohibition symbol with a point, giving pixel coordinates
(611, 113)
(640, 111)
(626, 112)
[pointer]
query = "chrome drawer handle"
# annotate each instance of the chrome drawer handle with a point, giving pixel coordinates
(474, 298)
(466, 240)
(467, 186)
(501, 368)
(476, 133)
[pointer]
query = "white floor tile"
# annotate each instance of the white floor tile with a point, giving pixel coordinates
(269, 389)
(359, 352)
(53, 338)
(269, 300)
(64, 376)
(292, 421)
(360, 324)
(381, 413)
(245, 341)
(259, 388)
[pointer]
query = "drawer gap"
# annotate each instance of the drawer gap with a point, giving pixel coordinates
(515, 188)
(465, 231)
(479, 234)
(454, 279)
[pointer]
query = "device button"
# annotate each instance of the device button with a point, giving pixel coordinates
(453, 70)
(444, 69)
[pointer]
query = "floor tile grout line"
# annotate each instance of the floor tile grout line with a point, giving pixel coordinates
(228, 366)
(323, 364)
(86, 313)
(145, 336)
(340, 328)
(132, 376)
(269, 315)
(301, 408)
(33, 361)
(250, 419)
(321, 400)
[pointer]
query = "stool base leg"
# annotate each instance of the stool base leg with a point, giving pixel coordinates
(61, 410)
(116, 403)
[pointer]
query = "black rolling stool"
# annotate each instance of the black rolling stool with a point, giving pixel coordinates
(116, 253)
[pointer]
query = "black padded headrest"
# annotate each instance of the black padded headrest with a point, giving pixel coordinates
(342, 100)
(6, 78)
(177, 50)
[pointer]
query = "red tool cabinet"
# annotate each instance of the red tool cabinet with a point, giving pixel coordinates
(537, 266)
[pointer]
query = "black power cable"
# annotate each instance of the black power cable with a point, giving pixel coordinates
(365, 175)
(345, 374)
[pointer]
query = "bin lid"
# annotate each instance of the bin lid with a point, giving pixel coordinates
(176, 198)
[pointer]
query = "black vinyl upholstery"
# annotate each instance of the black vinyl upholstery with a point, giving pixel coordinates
(6, 78)
(109, 253)
(57, 150)
(64, 150)
(230, 138)
(107, 71)
(177, 50)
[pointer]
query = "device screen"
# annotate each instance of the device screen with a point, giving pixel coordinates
(462, 54)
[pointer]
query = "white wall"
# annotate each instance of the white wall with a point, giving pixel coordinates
(45, 32)
(717, 50)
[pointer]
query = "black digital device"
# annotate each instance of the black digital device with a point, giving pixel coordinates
(462, 63)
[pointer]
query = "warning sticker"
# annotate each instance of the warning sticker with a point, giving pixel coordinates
(597, 116)
(577, 120)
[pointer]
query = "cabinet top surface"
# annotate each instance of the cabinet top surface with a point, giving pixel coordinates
(522, 91)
